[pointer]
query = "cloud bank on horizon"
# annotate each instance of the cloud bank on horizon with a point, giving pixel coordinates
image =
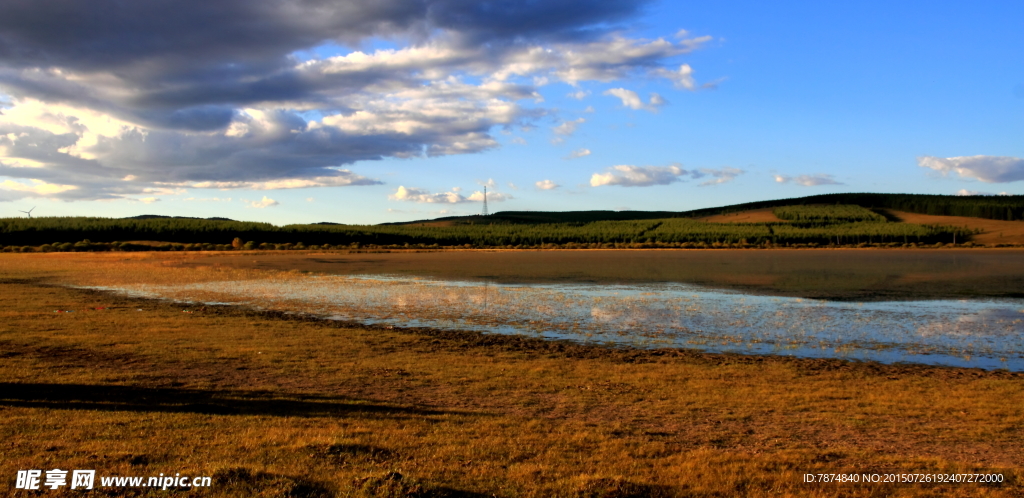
(109, 100)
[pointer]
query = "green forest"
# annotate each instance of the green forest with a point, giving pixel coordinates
(803, 225)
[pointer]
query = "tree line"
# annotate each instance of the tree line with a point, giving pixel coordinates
(811, 225)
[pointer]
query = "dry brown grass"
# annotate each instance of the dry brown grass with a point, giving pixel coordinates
(275, 405)
(993, 231)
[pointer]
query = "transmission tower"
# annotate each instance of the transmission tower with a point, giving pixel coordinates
(485, 200)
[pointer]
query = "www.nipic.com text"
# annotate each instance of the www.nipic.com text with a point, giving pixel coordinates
(86, 479)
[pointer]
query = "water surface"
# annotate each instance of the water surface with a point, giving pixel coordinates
(985, 333)
(835, 274)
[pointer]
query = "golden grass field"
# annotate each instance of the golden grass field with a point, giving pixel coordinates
(281, 405)
(992, 231)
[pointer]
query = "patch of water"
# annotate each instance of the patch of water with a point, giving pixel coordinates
(972, 333)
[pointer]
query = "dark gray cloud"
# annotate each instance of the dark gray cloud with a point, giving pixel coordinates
(163, 38)
(183, 93)
(167, 36)
(514, 20)
(178, 63)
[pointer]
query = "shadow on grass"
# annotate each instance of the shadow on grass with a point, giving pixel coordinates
(172, 400)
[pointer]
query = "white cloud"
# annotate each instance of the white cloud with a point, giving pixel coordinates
(453, 197)
(638, 176)
(646, 176)
(718, 176)
(989, 169)
(808, 180)
(579, 95)
(682, 78)
(547, 185)
(420, 195)
(578, 153)
(567, 128)
(631, 100)
(12, 190)
(148, 200)
(310, 199)
(264, 203)
(492, 196)
(617, 57)
(163, 191)
(344, 178)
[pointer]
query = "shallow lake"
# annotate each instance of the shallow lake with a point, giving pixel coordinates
(977, 332)
(835, 274)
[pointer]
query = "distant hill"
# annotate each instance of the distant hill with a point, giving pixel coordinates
(161, 217)
(537, 217)
(1008, 208)
(813, 221)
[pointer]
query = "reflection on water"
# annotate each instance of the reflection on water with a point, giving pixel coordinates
(975, 333)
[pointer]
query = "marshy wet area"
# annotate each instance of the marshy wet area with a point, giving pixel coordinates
(832, 274)
(593, 300)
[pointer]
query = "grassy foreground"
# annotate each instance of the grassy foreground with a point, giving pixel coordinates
(277, 405)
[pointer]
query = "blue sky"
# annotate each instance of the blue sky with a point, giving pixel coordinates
(405, 114)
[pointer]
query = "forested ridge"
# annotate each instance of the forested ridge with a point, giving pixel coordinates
(804, 223)
(1003, 207)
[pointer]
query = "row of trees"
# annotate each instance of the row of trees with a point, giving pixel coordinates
(37, 231)
(828, 214)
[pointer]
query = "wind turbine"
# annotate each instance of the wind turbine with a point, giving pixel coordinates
(29, 212)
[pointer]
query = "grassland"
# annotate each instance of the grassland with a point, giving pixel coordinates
(280, 405)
